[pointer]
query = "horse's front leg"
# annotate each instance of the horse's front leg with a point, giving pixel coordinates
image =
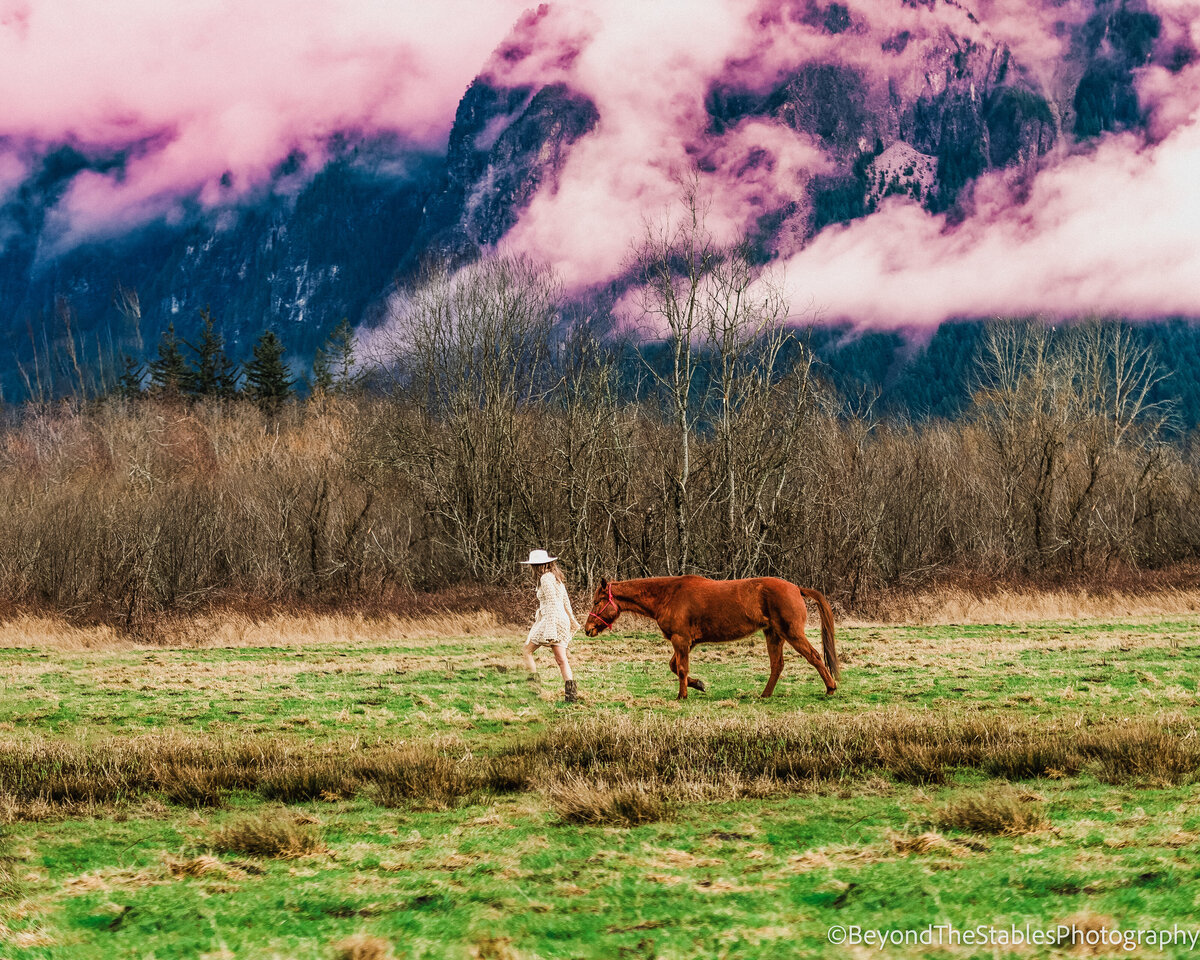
(682, 645)
(694, 682)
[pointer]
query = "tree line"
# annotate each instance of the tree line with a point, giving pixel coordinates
(209, 373)
(706, 439)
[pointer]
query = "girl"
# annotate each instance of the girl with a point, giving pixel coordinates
(555, 619)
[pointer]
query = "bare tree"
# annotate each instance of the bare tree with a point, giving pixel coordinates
(756, 419)
(586, 440)
(470, 349)
(1058, 406)
(674, 264)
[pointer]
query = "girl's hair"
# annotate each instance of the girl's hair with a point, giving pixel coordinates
(541, 568)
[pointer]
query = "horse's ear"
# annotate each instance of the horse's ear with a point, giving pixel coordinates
(603, 583)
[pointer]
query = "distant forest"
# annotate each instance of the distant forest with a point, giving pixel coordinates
(912, 376)
(917, 381)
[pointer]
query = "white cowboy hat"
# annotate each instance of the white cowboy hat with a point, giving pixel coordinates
(538, 556)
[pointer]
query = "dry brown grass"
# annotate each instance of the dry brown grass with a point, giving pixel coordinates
(953, 604)
(1087, 926)
(606, 762)
(999, 811)
(928, 842)
(912, 747)
(271, 834)
(349, 630)
(40, 778)
(342, 630)
(623, 803)
(419, 773)
(494, 948)
(11, 885)
(232, 629)
(54, 633)
(204, 865)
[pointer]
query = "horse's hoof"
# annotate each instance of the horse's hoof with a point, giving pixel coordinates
(699, 685)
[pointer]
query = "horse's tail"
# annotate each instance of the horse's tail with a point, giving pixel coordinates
(828, 646)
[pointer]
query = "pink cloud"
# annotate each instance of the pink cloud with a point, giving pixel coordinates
(12, 171)
(231, 86)
(1110, 232)
(648, 67)
(1110, 229)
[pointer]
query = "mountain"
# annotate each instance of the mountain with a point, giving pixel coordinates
(505, 145)
(300, 260)
(918, 113)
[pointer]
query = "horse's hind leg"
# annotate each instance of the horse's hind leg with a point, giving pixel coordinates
(775, 652)
(795, 636)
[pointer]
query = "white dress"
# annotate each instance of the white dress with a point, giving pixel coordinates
(555, 619)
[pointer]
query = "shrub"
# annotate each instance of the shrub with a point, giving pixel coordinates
(274, 833)
(998, 811)
(624, 803)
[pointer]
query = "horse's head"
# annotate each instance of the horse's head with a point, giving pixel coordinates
(604, 610)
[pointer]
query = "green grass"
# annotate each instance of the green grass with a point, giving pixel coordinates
(503, 876)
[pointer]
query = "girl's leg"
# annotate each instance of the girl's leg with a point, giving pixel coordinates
(529, 664)
(564, 665)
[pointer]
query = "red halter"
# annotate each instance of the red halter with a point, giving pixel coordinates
(607, 623)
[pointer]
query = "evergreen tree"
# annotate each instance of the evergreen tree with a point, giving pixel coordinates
(268, 379)
(322, 373)
(129, 384)
(334, 365)
(214, 374)
(169, 373)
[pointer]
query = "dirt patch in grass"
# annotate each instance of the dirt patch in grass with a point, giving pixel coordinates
(362, 946)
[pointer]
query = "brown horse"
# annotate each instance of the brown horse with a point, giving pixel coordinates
(692, 610)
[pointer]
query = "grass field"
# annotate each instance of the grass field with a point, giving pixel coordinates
(342, 788)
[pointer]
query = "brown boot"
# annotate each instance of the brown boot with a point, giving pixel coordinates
(572, 692)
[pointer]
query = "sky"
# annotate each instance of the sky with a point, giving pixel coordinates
(209, 96)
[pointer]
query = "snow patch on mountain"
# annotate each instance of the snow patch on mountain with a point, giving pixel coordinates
(900, 169)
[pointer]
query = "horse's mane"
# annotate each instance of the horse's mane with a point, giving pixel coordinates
(651, 590)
